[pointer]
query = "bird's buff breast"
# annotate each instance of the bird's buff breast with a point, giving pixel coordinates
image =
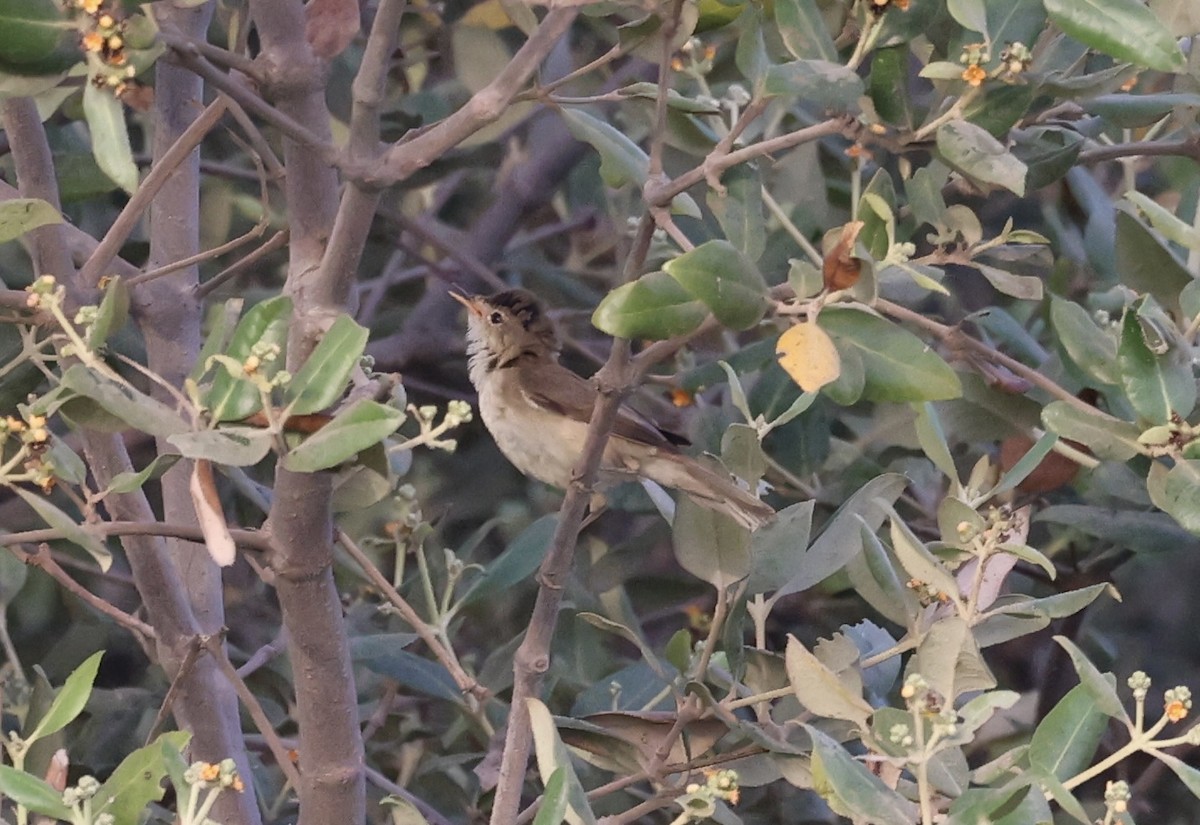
(539, 443)
(545, 445)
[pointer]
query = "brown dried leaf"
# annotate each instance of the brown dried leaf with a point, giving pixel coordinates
(208, 512)
(332, 25)
(840, 268)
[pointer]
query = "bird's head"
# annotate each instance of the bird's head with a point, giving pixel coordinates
(505, 327)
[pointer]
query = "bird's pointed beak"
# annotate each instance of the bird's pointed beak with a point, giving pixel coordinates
(473, 305)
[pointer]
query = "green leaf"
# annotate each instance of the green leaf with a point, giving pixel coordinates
(803, 30)
(1180, 494)
(1062, 796)
(654, 307)
(129, 481)
(323, 377)
(36, 38)
(777, 551)
(1188, 775)
(1124, 29)
(1107, 437)
(728, 283)
(621, 160)
(71, 698)
(1026, 465)
(410, 670)
(553, 809)
(826, 85)
(1131, 111)
(821, 690)
(1145, 264)
(628, 634)
(553, 756)
(1100, 686)
(711, 546)
(353, 430)
(851, 789)
(1165, 222)
(1066, 740)
(1155, 384)
(72, 532)
(970, 14)
(1090, 348)
(136, 409)
(949, 658)
(1048, 151)
(137, 781)
(19, 215)
(220, 321)
(33, 793)
(750, 55)
(110, 138)
(839, 542)
(889, 89)
(1021, 287)
(878, 580)
(112, 312)
(232, 446)
(739, 210)
(517, 563)
(975, 153)
(1025, 615)
(13, 575)
(898, 365)
(649, 91)
(1151, 532)
(232, 398)
(933, 440)
(918, 562)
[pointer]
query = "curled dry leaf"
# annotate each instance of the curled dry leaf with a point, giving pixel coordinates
(331, 26)
(208, 512)
(840, 268)
(807, 354)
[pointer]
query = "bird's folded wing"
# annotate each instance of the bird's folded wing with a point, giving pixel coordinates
(559, 390)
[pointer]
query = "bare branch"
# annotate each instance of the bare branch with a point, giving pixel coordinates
(214, 645)
(411, 155)
(159, 174)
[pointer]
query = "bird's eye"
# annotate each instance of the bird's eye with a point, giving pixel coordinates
(495, 317)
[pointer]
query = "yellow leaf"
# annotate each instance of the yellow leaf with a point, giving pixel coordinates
(489, 14)
(807, 354)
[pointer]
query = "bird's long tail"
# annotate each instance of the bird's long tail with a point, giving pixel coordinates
(709, 488)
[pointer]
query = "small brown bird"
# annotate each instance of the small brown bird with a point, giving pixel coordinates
(538, 412)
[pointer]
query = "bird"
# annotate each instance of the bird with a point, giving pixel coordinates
(538, 412)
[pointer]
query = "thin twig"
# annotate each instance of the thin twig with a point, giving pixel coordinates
(45, 561)
(716, 163)
(253, 539)
(409, 156)
(188, 55)
(276, 241)
(956, 337)
(254, 233)
(214, 645)
(1188, 147)
(159, 174)
(464, 680)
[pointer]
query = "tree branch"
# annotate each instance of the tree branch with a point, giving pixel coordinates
(160, 173)
(44, 560)
(413, 154)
